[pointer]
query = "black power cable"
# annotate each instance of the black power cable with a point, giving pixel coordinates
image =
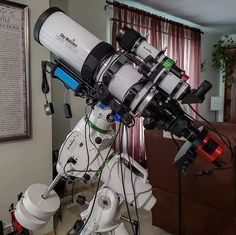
(87, 151)
(220, 135)
(44, 85)
(131, 176)
(212, 126)
(90, 140)
(99, 180)
(132, 182)
(122, 180)
(72, 192)
(179, 188)
(208, 172)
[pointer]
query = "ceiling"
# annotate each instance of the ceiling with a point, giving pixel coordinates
(216, 14)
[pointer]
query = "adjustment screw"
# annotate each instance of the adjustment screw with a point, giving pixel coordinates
(86, 178)
(98, 140)
(110, 118)
(89, 101)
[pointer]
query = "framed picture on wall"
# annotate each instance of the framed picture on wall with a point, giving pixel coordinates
(15, 111)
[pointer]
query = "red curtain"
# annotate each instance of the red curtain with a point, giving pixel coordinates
(182, 43)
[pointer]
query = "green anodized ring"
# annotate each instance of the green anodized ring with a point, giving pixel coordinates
(94, 127)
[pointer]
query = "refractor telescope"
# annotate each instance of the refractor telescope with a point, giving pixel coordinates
(136, 81)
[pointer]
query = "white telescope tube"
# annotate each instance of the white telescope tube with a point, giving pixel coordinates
(64, 37)
(89, 56)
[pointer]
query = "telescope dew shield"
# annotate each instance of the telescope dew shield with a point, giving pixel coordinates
(64, 37)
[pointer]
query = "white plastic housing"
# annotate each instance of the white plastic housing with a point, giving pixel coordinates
(123, 80)
(169, 83)
(67, 39)
(105, 216)
(145, 49)
(121, 229)
(112, 177)
(82, 137)
(32, 211)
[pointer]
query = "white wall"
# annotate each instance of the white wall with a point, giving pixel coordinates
(25, 162)
(91, 15)
(210, 74)
(60, 125)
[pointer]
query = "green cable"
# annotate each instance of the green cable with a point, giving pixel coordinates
(104, 164)
(94, 127)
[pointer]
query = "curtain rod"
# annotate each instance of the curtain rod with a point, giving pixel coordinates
(115, 3)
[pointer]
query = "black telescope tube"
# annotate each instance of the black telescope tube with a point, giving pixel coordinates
(128, 37)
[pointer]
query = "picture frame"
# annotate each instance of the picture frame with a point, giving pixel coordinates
(15, 105)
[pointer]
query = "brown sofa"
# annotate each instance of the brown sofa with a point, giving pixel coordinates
(208, 203)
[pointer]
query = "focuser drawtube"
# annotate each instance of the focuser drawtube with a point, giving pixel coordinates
(129, 39)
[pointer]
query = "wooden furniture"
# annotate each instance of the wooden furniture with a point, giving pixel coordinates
(208, 203)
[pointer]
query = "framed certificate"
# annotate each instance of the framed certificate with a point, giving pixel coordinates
(15, 111)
